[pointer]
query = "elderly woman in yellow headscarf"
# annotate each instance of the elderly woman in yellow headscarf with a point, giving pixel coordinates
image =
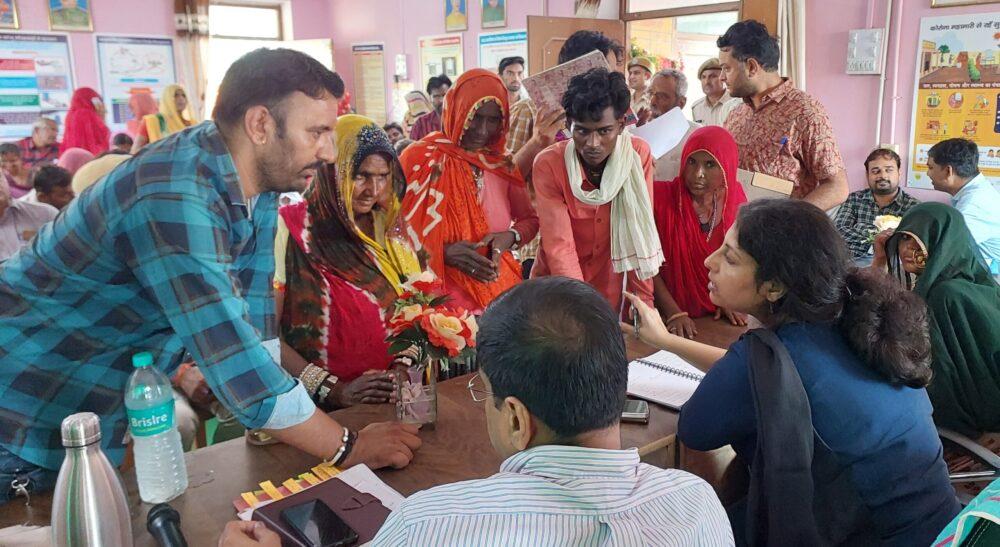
(341, 259)
(174, 115)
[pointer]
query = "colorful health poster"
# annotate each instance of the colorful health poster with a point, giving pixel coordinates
(132, 64)
(957, 90)
(494, 46)
(36, 79)
(440, 55)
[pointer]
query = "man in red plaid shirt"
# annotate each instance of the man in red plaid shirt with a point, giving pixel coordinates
(41, 146)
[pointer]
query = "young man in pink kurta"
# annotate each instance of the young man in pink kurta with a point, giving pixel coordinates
(576, 237)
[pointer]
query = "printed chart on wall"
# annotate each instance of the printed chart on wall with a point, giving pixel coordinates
(36, 78)
(369, 80)
(957, 90)
(132, 64)
(440, 55)
(494, 46)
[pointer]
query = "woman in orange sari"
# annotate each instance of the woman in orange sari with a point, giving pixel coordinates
(466, 203)
(693, 213)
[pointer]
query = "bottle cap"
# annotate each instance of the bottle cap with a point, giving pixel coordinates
(143, 359)
(81, 429)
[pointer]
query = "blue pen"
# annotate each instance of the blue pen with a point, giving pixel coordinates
(784, 143)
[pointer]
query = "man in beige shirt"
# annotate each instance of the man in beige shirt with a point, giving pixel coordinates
(640, 71)
(713, 108)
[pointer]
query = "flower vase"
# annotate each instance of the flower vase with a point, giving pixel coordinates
(416, 393)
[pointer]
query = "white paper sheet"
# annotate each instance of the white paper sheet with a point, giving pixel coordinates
(663, 133)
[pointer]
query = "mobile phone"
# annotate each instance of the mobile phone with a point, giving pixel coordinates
(636, 410)
(318, 526)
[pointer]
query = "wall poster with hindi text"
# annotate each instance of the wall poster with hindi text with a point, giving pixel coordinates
(957, 90)
(36, 79)
(369, 80)
(132, 64)
(494, 46)
(440, 54)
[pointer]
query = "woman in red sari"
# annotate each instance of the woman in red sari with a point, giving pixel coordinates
(693, 213)
(85, 127)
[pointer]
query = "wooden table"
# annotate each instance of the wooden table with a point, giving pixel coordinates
(458, 448)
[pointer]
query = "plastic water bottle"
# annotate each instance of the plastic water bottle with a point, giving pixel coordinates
(159, 456)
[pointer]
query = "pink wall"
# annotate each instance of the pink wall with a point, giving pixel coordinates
(310, 19)
(399, 23)
(851, 101)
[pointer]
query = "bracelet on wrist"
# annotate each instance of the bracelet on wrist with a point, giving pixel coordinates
(345, 447)
(325, 388)
(312, 378)
(677, 315)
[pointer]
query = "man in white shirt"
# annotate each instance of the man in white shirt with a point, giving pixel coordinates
(953, 167)
(553, 379)
(668, 90)
(713, 108)
(19, 221)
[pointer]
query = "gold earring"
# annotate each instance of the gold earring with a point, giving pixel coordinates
(920, 258)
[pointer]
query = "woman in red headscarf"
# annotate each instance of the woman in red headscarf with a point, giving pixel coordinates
(466, 203)
(693, 213)
(85, 127)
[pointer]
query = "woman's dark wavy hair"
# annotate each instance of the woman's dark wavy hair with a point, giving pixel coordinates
(795, 244)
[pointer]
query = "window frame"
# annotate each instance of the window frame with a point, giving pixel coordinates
(253, 5)
(627, 17)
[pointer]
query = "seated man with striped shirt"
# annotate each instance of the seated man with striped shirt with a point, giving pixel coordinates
(553, 377)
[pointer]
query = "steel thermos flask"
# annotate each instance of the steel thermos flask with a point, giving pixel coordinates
(89, 507)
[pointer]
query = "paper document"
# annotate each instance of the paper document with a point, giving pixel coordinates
(663, 378)
(547, 87)
(760, 186)
(663, 134)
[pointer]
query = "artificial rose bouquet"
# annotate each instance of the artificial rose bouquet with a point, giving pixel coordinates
(887, 222)
(422, 319)
(883, 223)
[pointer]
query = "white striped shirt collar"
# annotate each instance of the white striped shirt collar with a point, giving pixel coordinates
(561, 461)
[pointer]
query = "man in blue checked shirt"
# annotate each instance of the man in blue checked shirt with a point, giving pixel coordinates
(553, 375)
(173, 252)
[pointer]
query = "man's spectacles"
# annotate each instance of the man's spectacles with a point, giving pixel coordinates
(476, 389)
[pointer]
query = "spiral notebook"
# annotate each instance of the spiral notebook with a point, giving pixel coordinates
(663, 378)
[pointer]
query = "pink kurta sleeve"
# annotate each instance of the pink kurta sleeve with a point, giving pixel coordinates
(553, 217)
(643, 289)
(525, 217)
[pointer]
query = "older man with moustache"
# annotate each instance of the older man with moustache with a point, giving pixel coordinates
(43, 144)
(667, 91)
(715, 106)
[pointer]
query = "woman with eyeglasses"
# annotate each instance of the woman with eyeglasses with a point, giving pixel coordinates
(341, 258)
(933, 253)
